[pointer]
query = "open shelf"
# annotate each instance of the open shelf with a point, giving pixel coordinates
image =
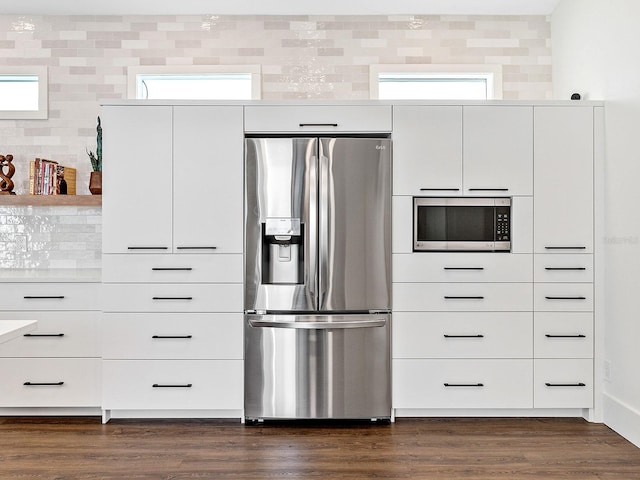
(51, 200)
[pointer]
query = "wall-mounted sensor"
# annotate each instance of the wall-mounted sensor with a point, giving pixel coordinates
(575, 96)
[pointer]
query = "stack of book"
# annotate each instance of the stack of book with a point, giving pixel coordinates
(47, 177)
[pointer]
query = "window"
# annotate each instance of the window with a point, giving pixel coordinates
(436, 82)
(218, 82)
(23, 93)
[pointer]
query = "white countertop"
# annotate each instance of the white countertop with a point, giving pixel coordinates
(10, 329)
(63, 275)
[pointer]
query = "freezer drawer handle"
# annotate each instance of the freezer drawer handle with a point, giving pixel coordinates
(43, 384)
(439, 189)
(159, 385)
(447, 297)
(147, 248)
(197, 248)
(464, 268)
(565, 336)
(565, 248)
(43, 335)
(566, 298)
(172, 336)
(44, 297)
(463, 336)
(319, 325)
(172, 298)
(565, 384)
(172, 269)
(318, 124)
(564, 268)
(464, 384)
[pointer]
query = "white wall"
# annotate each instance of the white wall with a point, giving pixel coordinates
(594, 51)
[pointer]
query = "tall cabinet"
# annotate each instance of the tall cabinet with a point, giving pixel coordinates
(528, 346)
(172, 261)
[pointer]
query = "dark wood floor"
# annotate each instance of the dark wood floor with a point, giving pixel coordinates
(434, 449)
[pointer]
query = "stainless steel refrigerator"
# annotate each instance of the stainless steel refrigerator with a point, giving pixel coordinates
(317, 278)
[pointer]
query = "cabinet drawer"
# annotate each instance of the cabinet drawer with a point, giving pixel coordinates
(462, 335)
(58, 334)
(51, 296)
(155, 268)
(317, 119)
(50, 382)
(563, 297)
(563, 335)
(462, 297)
(462, 267)
(219, 297)
(462, 383)
(564, 383)
(172, 336)
(172, 384)
(574, 268)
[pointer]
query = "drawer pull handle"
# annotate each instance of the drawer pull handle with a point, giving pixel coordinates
(565, 384)
(564, 268)
(197, 248)
(439, 189)
(43, 335)
(172, 336)
(43, 384)
(464, 268)
(172, 298)
(44, 297)
(565, 248)
(172, 269)
(447, 297)
(147, 248)
(464, 384)
(565, 336)
(160, 385)
(566, 298)
(488, 189)
(318, 124)
(463, 336)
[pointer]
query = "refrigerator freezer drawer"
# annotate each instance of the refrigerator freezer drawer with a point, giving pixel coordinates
(317, 366)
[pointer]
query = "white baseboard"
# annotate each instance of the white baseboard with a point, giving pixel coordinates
(622, 418)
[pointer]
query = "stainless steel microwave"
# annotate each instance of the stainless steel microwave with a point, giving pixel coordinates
(459, 224)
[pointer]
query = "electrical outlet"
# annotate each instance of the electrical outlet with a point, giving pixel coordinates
(607, 370)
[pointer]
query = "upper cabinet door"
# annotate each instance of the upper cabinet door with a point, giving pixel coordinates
(563, 179)
(498, 151)
(427, 150)
(207, 179)
(136, 208)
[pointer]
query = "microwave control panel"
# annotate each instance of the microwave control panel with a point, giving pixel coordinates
(503, 224)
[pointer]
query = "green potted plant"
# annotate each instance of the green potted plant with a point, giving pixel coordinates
(95, 180)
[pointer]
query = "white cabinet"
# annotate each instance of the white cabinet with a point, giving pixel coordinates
(57, 365)
(478, 383)
(137, 178)
(463, 150)
(427, 150)
(208, 179)
(563, 179)
(175, 178)
(313, 119)
(498, 150)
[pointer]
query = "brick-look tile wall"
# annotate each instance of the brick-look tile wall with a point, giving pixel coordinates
(320, 57)
(302, 57)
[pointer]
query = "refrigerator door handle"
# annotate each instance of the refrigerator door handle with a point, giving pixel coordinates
(324, 235)
(319, 325)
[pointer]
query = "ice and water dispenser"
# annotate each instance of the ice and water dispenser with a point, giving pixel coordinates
(282, 251)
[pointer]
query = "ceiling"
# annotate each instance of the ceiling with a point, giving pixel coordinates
(278, 7)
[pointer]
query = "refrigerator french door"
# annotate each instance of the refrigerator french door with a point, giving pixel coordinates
(317, 278)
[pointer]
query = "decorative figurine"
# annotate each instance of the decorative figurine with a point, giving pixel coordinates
(6, 184)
